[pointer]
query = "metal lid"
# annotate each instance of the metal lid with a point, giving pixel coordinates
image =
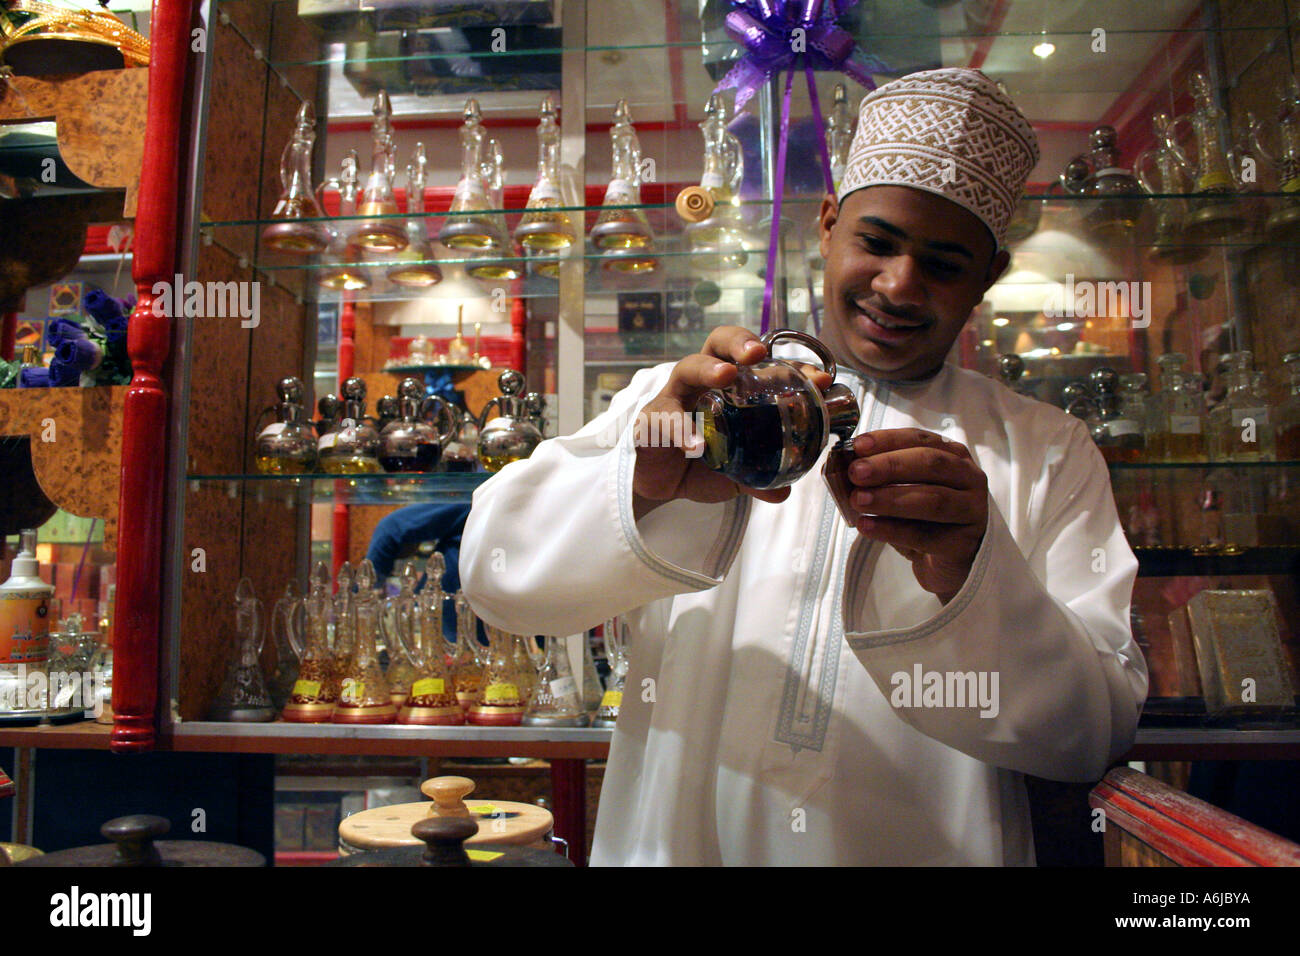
(135, 845)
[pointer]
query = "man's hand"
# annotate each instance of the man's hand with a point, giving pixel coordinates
(666, 473)
(924, 495)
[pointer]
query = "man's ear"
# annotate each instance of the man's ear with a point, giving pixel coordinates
(1001, 260)
(830, 214)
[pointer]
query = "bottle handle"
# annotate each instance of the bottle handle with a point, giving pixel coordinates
(482, 418)
(443, 413)
(803, 338)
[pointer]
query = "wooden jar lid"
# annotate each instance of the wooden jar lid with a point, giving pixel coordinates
(499, 821)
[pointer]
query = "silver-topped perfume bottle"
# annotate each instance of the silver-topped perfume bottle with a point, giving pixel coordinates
(287, 446)
(507, 435)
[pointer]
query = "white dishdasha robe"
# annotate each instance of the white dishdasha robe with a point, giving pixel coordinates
(765, 639)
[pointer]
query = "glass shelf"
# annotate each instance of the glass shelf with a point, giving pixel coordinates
(1140, 466)
(378, 489)
(1180, 562)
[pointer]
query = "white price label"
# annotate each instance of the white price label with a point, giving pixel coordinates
(1185, 424)
(564, 687)
(1258, 415)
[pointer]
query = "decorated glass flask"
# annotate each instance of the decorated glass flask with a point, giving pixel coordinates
(387, 234)
(1288, 413)
(287, 446)
(1180, 435)
(432, 698)
(502, 702)
(622, 225)
(505, 432)
(1215, 213)
(341, 270)
(494, 264)
(398, 625)
(545, 227)
(299, 227)
(468, 225)
(243, 695)
(467, 658)
(769, 427)
(1283, 223)
(616, 653)
(354, 448)
(410, 443)
(314, 688)
(1170, 181)
(415, 267)
(715, 231)
(364, 694)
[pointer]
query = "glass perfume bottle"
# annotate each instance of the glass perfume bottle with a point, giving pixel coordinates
(416, 268)
(1283, 224)
(379, 235)
(1181, 432)
(769, 427)
(340, 271)
(1135, 404)
(544, 228)
(354, 448)
(364, 694)
(557, 701)
(312, 697)
(715, 234)
(1117, 436)
(400, 626)
(525, 668)
(1214, 214)
(1011, 369)
(1288, 413)
(410, 443)
(1239, 426)
(840, 124)
(468, 225)
(243, 696)
(288, 446)
(1171, 182)
(461, 452)
(622, 225)
(508, 435)
(432, 700)
(288, 621)
(343, 626)
(330, 410)
(1118, 192)
(501, 704)
(458, 352)
(616, 653)
(494, 264)
(300, 228)
(467, 663)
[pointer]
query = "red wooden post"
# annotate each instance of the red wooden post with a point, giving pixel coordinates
(518, 322)
(341, 529)
(144, 426)
(569, 803)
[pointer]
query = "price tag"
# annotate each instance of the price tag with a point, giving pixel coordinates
(484, 809)
(612, 699)
(1258, 415)
(501, 693)
(1185, 424)
(484, 856)
(306, 688)
(564, 687)
(1124, 426)
(327, 441)
(273, 429)
(544, 191)
(428, 687)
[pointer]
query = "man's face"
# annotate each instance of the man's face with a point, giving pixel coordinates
(904, 269)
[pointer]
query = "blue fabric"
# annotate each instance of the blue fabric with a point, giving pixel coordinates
(401, 531)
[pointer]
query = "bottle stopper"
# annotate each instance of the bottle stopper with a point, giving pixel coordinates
(695, 204)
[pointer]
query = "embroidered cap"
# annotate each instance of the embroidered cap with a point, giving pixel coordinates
(952, 132)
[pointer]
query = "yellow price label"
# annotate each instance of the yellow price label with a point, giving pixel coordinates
(612, 698)
(484, 809)
(1291, 185)
(496, 693)
(484, 856)
(427, 687)
(306, 688)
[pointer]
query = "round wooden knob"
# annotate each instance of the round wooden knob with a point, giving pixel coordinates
(695, 204)
(448, 795)
(444, 839)
(134, 836)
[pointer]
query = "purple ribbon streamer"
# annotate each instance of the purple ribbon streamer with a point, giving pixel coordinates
(778, 190)
(821, 130)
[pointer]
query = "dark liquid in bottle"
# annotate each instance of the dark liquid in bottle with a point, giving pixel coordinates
(460, 464)
(756, 443)
(425, 459)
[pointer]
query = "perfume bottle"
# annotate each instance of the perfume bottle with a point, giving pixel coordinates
(468, 225)
(543, 227)
(492, 264)
(557, 701)
(330, 410)
(501, 704)
(1118, 436)
(1011, 368)
(1239, 426)
(400, 627)
(622, 225)
(525, 666)
(432, 699)
(458, 349)
(288, 622)
(460, 454)
(1283, 224)
(300, 229)
(288, 446)
(616, 653)
(508, 435)
(1180, 435)
(364, 694)
(354, 448)
(1214, 214)
(379, 235)
(840, 125)
(410, 443)
(1171, 182)
(312, 697)
(768, 428)
(1119, 205)
(715, 235)
(467, 660)
(341, 272)
(416, 268)
(243, 696)
(1288, 413)
(1136, 405)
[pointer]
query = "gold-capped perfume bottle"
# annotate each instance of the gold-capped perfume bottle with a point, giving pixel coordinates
(354, 448)
(243, 697)
(416, 268)
(364, 694)
(385, 235)
(300, 229)
(287, 446)
(622, 226)
(312, 697)
(341, 271)
(544, 227)
(468, 225)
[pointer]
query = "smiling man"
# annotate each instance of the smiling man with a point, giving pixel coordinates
(803, 691)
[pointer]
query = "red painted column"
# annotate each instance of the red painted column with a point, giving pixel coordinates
(341, 528)
(144, 426)
(569, 804)
(518, 324)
